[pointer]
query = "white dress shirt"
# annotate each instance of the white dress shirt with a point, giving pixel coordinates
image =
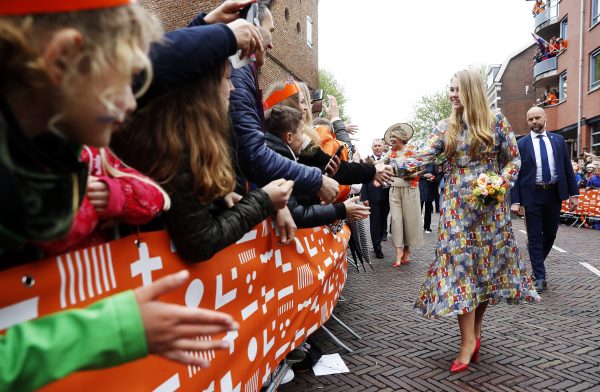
(538, 157)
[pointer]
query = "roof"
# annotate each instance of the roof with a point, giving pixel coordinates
(509, 58)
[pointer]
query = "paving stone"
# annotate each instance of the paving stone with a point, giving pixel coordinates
(553, 345)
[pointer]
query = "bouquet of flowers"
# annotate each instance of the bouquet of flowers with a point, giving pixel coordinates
(490, 190)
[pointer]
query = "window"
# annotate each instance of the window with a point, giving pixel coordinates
(595, 69)
(562, 85)
(595, 14)
(309, 31)
(564, 25)
(286, 14)
(595, 139)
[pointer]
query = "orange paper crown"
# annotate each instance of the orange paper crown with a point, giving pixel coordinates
(277, 96)
(26, 7)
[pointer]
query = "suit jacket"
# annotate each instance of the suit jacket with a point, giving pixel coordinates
(523, 192)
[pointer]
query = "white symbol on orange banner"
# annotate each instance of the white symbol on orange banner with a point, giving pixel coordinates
(285, 307)
(267, 295)
(249, 280)
(227, 384)
(171, 385)
(299, 335)
(281, 350)
(249, 310)
(80, 273)
(206, 355)
(223, 299)
(194, 293)
(283, 328)
(305, 276)
(321, 274)
(265, 257)
(311, 251)
(19, 312)
(267, 373)
(321, 243)
(247, 256)
(285, 267)
(252, 349)
(324, 313)
(268, 344)
(230, 337)
(145, 265)
(303, 305)
(211, 387)
(252, 384)
(285, 292)
(299, 247)
(249, 236)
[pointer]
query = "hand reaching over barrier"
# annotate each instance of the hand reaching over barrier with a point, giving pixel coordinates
(171, 329)
(356, 211)
(279, 192)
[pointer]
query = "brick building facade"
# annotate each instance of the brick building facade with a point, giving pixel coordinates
(295, 38)
(578, 87)
(510, 88)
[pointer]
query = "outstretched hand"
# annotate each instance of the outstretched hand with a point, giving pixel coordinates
(247, 37)
(171, 330)
(227, 12)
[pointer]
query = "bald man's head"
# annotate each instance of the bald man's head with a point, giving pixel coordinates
(536, 119)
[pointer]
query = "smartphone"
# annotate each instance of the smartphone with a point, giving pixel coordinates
(338, 153)
(316, 95)
(250, 14)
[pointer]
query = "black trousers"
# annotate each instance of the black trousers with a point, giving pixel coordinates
(542, 219)
(428, 212)
(378, 223)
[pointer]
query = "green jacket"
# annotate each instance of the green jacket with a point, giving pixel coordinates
(108, 333)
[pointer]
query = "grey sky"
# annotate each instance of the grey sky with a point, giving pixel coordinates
(389, 53)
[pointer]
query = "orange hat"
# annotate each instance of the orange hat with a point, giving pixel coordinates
(26, 7)
(277, 96)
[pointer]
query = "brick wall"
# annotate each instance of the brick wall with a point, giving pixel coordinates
(513, 100)
(290, 56)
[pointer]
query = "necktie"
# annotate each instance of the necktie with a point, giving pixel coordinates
(546, 177)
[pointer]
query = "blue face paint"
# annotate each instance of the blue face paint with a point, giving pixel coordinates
(106, 119)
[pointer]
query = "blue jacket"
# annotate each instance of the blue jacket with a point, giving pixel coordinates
(523, 191)
(258, 162)
(186, 53)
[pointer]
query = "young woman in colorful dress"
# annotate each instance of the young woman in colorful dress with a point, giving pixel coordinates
(477, 260)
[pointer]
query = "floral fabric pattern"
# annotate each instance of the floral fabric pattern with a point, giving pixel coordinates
(476, 258)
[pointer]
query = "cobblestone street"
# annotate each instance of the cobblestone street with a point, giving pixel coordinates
(550, 346)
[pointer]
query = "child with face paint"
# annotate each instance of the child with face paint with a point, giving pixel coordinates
(65, 80)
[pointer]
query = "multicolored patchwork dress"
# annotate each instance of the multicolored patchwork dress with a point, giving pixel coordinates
(476, 257)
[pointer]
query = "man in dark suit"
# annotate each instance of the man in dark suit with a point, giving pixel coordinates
(545, 179)
(378, 198)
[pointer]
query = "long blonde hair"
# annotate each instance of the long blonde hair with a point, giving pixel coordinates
(476, 115)
(307, 117)
(116, 37)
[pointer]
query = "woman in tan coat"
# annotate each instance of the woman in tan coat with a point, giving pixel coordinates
(404, 197)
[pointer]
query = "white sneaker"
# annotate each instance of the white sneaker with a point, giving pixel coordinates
(289, 376)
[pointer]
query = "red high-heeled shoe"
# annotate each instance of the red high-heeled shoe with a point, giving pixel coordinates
(475, 356)
(461, 367)
(458, 367)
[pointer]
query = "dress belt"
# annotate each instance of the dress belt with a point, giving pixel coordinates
(545, 186)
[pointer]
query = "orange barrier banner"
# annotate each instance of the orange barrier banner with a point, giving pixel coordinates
(588, 206)
(279, 295)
